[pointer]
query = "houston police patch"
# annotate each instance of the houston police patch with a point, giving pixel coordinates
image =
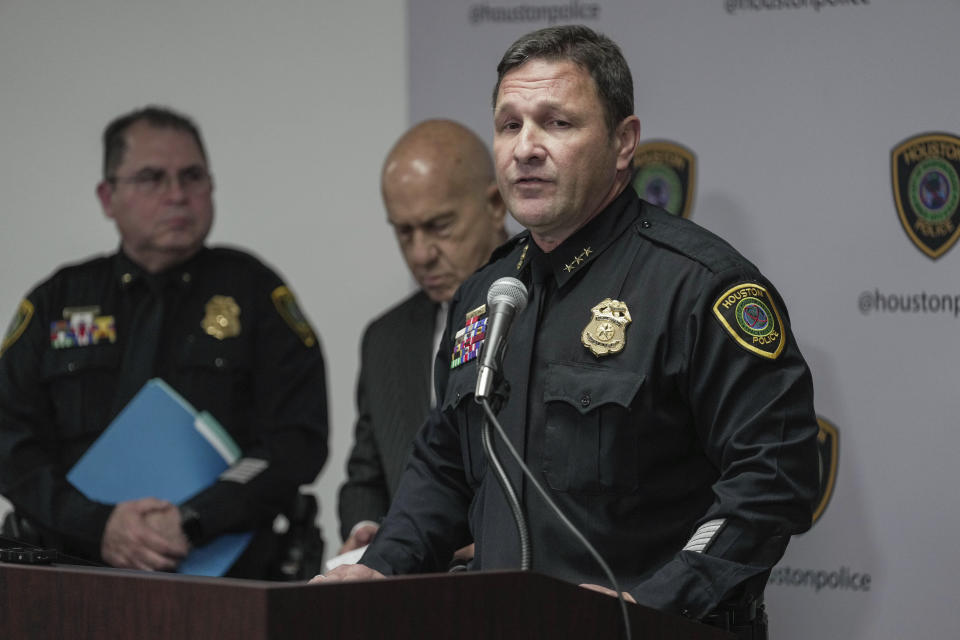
(289, 310)
(17, 325)
(664, 175)
(926, 189)
(750, 316)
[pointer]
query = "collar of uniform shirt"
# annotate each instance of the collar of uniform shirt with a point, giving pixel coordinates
(127, 272)
(589, 241)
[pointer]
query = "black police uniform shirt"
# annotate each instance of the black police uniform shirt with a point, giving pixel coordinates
(261, 376)
(686, 454)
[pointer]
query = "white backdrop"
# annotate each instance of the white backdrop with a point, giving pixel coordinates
(298, 101)
(792, 108)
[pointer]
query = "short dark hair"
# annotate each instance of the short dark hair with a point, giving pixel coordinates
(115, 144)
(594, 52)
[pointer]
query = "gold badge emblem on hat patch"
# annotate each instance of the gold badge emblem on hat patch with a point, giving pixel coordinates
(606, 332)
(222, 319)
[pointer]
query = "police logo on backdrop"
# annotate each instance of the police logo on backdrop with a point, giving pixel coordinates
(665, 175)
(828, 444)
(926, 190)
(750, 316)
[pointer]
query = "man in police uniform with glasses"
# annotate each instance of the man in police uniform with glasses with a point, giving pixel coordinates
(216, 324)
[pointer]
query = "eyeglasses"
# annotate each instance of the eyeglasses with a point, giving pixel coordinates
(192, 180)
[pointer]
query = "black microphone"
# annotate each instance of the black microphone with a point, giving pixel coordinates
(506, 298)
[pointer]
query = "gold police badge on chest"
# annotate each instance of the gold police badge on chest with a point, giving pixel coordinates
(606, 333)
(222, 317)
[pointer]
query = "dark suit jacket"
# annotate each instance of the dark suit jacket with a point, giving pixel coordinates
(393, 398)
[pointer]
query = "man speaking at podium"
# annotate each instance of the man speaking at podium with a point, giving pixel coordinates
(216, 324)
(655, 386)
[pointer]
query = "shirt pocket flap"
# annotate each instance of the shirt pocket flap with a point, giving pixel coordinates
(585, 387)
(67, 362)
(211, 357)
(460, 385)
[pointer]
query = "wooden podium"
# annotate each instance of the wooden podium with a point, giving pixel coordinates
(68, 603)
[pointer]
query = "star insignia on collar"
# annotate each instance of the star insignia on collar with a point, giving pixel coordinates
(578, 260)
(523, 256)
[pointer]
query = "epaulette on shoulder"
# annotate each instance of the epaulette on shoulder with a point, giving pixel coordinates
(509, 246)
(235, 253)
(687, 238)
(244, 259)
(503, 252)
(87, 264)
(89, 269)
(71, 270)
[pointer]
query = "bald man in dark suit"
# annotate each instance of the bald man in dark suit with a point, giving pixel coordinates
(442, 202)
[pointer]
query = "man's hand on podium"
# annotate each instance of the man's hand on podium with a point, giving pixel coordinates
(464, 554)
(144, 534)
(609, 592)
(347, 573)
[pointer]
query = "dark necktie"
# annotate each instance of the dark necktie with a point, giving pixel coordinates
(524, 341)
(143, 335)
(505, 554)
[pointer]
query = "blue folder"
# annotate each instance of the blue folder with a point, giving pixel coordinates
(159, 446)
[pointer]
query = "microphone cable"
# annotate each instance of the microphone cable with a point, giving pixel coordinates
(518, 514)
(508, 491)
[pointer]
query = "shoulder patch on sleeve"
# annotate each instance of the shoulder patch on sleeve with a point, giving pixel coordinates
(750, 316)
(289, 310)
(17, 325)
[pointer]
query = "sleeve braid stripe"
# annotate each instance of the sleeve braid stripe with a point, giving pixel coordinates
(245, 470)
(702, 538)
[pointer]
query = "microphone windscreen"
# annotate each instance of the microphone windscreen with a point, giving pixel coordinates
(507, 290)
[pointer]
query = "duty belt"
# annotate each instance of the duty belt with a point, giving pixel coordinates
(748, 622)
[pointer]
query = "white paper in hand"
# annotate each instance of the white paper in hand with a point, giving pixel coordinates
(350, 557)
